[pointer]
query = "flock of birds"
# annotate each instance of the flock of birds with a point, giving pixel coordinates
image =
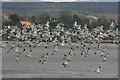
(35, 35)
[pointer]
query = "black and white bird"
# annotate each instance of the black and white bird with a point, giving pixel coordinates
(65, 63)
(17, 49)
(12, 48)
(4, 45)
(20, 54)
(43, 58)
(55, 50)
(30, 53)
(98, 69)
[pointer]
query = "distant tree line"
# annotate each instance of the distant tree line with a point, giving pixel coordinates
(65, 17)
(13, 19)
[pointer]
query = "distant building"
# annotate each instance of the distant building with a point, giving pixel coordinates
(22, 23)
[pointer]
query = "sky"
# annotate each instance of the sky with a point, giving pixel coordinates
(60, 0)
(82, 0)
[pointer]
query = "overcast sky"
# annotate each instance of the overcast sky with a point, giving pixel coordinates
(61, 0)
(82, 0)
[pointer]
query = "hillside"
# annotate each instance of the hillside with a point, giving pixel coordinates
(51, 7)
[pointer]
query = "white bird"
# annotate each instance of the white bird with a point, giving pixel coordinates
(4, 45)
(75, 24)
(55, 50)
(20, 54)
(30, 53)
(102, 54)
(104, 49)
(16, 50)
(43, 58)
(104, 59)
(67, 57)
(17, 59)
(63, 42)
(112, 25)
(98, 69)
(66, 64)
